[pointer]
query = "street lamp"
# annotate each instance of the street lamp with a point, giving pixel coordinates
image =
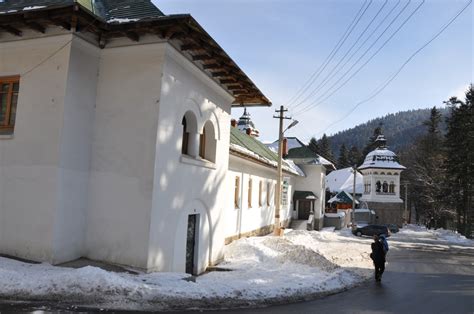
(277, 229)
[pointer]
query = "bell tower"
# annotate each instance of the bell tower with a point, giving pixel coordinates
(381, 170)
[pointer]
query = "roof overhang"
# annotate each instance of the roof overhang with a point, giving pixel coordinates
(182, 31)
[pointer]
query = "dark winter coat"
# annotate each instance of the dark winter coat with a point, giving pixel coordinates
(378, 254)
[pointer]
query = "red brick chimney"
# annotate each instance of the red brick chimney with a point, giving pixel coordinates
(285, 147)
(248, 131)
(233, 123)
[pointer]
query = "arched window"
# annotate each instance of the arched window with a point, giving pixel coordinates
(188, 142)
(185, 139)
(385, 187)
(378, 186)
(208, 142)
(391, 188)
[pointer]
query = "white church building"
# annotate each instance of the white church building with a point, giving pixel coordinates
(116, 141)
(381, 176)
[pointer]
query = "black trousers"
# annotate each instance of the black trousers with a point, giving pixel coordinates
(379, 269)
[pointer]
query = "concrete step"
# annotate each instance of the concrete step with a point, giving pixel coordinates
(298, 224)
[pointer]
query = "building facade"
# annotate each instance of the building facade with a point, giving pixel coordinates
(381, 171)
(115, 141)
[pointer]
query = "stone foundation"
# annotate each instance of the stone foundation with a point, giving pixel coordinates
(257, 232)
(387, 213)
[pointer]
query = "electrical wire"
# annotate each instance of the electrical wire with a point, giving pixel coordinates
(54, 53)
(321, 98)
(321, 68)
(325, 80)
(390, 79)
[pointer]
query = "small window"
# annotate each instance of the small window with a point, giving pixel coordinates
(391, 188)
(249, 198)
(9, 88)
(237, 193)
(385, 187)
(378, 186)
(260, 193)
(268, 193)
(202, 144)
(185, 140)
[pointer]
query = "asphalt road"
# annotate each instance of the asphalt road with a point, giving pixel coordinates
(418, 279)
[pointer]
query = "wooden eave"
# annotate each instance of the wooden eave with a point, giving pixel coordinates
(182, 31)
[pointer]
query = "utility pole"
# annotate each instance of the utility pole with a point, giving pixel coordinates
(407, 216)
(354, 169)
(277, 227)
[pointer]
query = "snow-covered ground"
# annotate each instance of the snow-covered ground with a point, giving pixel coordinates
(263, 270)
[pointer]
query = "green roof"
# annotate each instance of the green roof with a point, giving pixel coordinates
(301, 195)
(301, 152)
(250, 143)
(105, 9)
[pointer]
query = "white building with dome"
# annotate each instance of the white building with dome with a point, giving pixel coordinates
(381, 171)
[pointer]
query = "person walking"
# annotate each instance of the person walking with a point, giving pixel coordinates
(378, 257)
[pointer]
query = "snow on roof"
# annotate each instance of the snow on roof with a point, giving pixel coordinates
(381, 158)
(342, 180)
(292, 142)
(342, 197)
(289, 167)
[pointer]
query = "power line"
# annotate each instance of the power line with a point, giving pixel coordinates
(320, 99)
(325, 80)
(382, 87)
(321, 68)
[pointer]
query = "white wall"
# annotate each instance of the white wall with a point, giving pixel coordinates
(314, 182)
(374, 175)
(30, 161)
(187, 185)
(123, 154)
(245, 219)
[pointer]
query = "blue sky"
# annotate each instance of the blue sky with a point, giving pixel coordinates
(281, 43)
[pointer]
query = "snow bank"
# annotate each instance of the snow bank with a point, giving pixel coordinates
(439, 235)
(264, 270)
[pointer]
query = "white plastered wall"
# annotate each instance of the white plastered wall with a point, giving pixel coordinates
(123, 153)
(246, 219)
(30, 160)
(374, 175)
(314, 182)
(186, 185)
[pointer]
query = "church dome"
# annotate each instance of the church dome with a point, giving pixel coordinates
(246, 124)
(381, 157)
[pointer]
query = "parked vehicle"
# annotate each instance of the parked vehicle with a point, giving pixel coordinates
(393, 228)
(370, 230)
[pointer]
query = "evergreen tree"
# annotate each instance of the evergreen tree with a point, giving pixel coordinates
(343, 160)
(428, 173)
(313, 145)
(355, 157)
(460, 161)
(325, 148)
(371, 144)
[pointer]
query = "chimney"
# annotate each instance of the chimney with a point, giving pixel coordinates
(285, 146)
(233, 123)
(248, 131)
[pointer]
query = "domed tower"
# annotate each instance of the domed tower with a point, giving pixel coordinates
(381, 171)
(246, 125)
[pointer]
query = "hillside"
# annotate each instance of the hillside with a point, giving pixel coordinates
(400, 129)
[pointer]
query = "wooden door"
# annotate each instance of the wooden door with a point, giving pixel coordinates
(304, 208)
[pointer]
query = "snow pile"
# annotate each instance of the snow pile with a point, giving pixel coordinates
(264, 270)
(422, 233)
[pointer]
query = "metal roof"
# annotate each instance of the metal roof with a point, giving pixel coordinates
(133, 19)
